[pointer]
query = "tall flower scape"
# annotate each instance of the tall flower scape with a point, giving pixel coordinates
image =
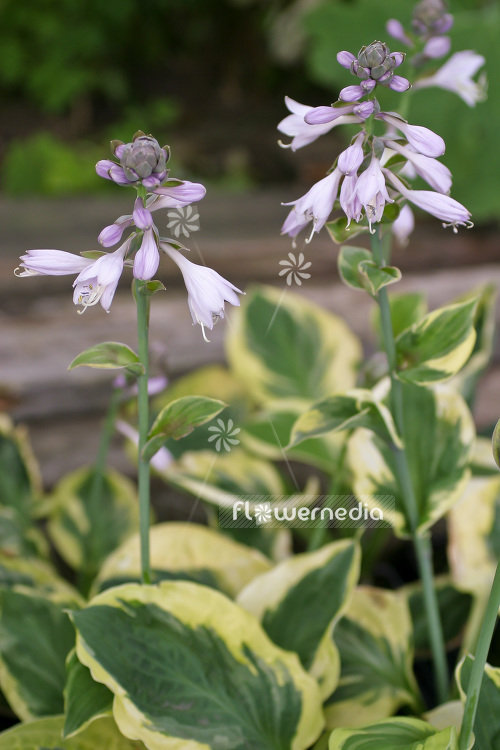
(266, 630)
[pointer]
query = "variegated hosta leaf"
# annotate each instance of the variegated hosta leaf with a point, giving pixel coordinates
(374, 639)
(438, 437)
(36, 636)
(85, 700)
(190, 669)
(221, 478)
(358, 407)
(394, 734)
(446, 715)
(406, 310)
(282, 346)
(20, 487)
(36, 574)
(301, 599)
(474, 536)
(268, 434)
(482, 460)
(46, 734)
(437, 347)
(186, 551)
(484, 324)
(487, 723)
(455, 608)
(84, 527)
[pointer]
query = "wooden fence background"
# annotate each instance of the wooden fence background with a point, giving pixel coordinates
(41, 332)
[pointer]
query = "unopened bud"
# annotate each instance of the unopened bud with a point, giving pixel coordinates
(142, 158)
(372, 55)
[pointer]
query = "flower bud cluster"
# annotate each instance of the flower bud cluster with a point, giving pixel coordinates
(141, 162)
(374, 65)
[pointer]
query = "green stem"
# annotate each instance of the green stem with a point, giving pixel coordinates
(422, 544)
(476, 678)
(142, 301)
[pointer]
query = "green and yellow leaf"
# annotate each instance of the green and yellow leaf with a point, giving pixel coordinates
(282, 346)
(374, 639)
(190, 669)
(186, 551)
(394, 734)
(300, 601)
(46, 734)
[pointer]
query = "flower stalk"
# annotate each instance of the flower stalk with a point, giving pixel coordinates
(476, 678)
(142, 301)
(422, 545)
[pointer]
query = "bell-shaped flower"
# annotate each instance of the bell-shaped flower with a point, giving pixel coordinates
(350, 160)
(437, 46)
(147, 258)
(349, 200)
(422, 139)
(300, 131)
(457, 75)
(98, 281)
(403, 226)
(451, 212)
(207, 290)
(437, 175)
(317, 204)
(372, 192)
(51, 263)
(141, 216)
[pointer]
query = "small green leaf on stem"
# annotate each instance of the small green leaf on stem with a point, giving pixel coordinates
(179, 418)
(377, 277)
(151, 287)
(339, 232)
(110, 355)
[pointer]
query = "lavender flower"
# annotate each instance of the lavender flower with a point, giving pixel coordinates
(98, 281)
(404, 225)
(207, 290)
(423, 140)
(451, 212)
(315, 206)
(372, 192)
(51, 263)
(301, 132)
(437, 175)
(456, 75)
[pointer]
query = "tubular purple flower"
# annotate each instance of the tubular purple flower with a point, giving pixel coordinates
(437, 175)
(403, 226)
(182, 192)
(396, 30)
(352, 93)
(372, 192)
(451, 212)
(422, 139)
(51, 263)
(365, 109)
(294, 223)
(350, 160)
(322, 115)
(112, 234)
(399, 84)
(142, 217)
(437, 46)
(317, 204)
(349, 201)
(98, 281)
(346, 59)
(456, 75)
(207, 290)
(147, 258)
